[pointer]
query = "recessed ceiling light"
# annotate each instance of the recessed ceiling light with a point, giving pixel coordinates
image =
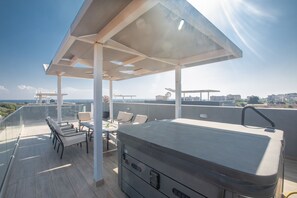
(181, 24)
(127, 72)
(65, 59)
(116, 62)
(128, 65)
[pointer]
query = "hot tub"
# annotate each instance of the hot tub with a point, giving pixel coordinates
(192, 158)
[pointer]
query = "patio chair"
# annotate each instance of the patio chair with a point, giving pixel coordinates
(69, 139)
(83, 117)
(123, 117)
(67, 129)
(140, 119)
(64, 125)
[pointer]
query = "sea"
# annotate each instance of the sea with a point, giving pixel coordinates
(76, 101)
(34, 101)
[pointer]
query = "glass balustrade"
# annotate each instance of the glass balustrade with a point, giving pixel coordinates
(12, 126)
(10, 129)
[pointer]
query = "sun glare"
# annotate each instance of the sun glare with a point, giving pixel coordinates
(242, 16)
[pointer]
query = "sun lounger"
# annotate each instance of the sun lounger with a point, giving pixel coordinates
(123, 117)
(140, 119)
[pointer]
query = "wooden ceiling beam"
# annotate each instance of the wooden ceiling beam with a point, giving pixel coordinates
(129, 14)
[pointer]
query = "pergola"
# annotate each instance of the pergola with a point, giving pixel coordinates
(123, 39)
(124, 96)
(41, 95)
(196, 91)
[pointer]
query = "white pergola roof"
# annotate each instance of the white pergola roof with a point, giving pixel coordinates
(195, 91)
(139, 37)
(45, 94)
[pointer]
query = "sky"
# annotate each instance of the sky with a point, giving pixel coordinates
(32, 30)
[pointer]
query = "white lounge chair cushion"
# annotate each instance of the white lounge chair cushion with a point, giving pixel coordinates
(61, 130)
(71, 138)
(75, 139)
(121, 115)
(127, 117)
(140, 119)
(68, 131)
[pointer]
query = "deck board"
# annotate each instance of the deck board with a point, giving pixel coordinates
(38, 171)
(44, 186)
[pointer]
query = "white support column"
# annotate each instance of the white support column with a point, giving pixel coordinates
(208, 96)
(59, 98)
(177, 91)
(40, 99)
(98, 148)
(200, 96)
(110, 101)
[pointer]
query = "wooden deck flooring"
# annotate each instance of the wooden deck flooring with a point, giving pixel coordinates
(38, 171)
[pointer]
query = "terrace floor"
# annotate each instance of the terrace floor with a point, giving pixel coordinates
(38, 171)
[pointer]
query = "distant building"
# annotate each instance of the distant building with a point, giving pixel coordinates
(291, 97)
(190, 98)
(218, 98)
(233, 97)
(229, 97)
(160, 97)
(276, 98)
(163, 97)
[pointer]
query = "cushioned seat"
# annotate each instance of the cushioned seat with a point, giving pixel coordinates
(68, 138)
(140, 119)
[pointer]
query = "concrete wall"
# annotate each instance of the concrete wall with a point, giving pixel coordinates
(284, 119)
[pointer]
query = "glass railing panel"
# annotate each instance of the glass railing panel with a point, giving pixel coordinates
(70, 112)
(3, 153)
(13, 129)
(10, 130)
(37, 114)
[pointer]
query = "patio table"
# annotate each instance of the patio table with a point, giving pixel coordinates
(107, 128)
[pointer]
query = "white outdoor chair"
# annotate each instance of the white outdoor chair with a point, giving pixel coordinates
(123, 117)
(65, 127)
(83, 117)
(140, 119)
(66, 139)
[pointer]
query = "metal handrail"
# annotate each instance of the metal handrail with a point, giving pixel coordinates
(258, 112)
